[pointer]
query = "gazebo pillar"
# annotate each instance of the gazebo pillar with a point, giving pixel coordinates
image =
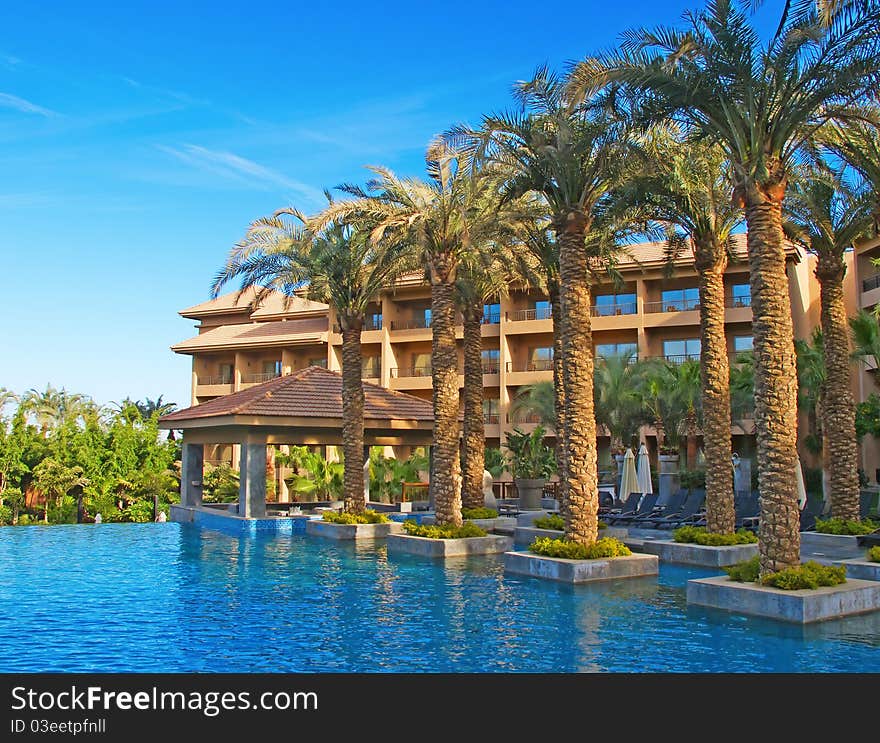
(192, 467)
(252, 482)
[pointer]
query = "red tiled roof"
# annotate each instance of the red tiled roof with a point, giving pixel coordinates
(313, 392)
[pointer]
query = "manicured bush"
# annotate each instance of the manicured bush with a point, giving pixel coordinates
(445, 531)
(367, 517)
(606, 547)
(874, 554)
(479, 513)
(843, 526)
(551, 521)
(746, 571)
(699, 535)
(809, 575)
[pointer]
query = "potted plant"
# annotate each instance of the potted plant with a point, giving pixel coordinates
(531, 463)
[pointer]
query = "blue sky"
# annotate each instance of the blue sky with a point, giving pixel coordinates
(138, 141)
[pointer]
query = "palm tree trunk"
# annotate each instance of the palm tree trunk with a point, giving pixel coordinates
(445, 478)
(582, 496)
(352, 417)
(838, 407)
(558, 391)
(711, 260)
(474, 434)
(775, 386)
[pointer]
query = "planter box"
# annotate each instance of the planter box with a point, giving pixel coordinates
(328, 530)
(491, 544)
(800, 607)
(829, 546)
(525, 535)
(580, 571)
(861, 569)
(698, 554)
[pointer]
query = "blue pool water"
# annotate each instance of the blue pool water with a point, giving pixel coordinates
(170, 597)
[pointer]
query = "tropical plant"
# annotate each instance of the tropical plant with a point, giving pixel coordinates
(670, 393)
(569, 155)
(811, 385)
(762, 102)
(387, 474)
(530, 457)
(439, 219)
(337, 263)
(537, 400)
(314, 478)
(865, 332)
(826, 216)
(52, 407)
(618, 399)
(868, 417)
(56, 480)
(495, 462)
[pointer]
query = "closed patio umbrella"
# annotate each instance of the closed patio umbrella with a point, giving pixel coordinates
(799, 480)
(629, 482)
(643, 470)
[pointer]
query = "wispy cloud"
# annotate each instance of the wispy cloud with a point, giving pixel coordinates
(24, 106)
(232, 166)
(165, 92)
(8, 61)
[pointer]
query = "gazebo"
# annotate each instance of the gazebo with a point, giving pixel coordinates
(303, 408)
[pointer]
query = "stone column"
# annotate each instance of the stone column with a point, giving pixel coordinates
(252, 484)
(192, 464)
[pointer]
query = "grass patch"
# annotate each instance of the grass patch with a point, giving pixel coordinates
(874, 554)
(479, 513)
(699, 535)
(810, 575)
(344, 517)
(606, 547)
(843, 526)
(442, 531)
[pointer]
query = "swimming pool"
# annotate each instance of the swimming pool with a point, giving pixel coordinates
(171, 597)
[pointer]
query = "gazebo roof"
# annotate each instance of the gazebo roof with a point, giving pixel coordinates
(308, 397)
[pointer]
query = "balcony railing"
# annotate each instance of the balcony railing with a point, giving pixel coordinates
(410, 371)
(492, 366)
(742, 414)
(222, 379)
(536, 313)
(734, 302)
(491, 318)
(531, 366)
(370, 323)
(415, 323)
(609, 310)
(523, 418)
(871, 282)
(371, 371)
(490, 419)
(680, 358)
(672, 305)
(257, 378)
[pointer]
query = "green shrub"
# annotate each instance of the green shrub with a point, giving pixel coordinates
(843, 526)
(809, 575)
(5, 515)
(26, 519)
(874, 554)
(693, 479)
(606, 547)
(552, 521)
(699, 535)
(745, 572)
(444, 531)
(140, 512)
(367, 517)
(479, 513)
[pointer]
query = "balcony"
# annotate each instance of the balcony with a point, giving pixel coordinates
(213, 385)
(535, 365)
(491, 366)
(491, 419)
(491, 318)
(610, 310)
(220, 379)
(410, 371)
(519, 418)
(415, 323)
(735, 302)
(373, 322)
(252, 379)
(672, 305)
(536, 313)
(371, 371)
(872, 282)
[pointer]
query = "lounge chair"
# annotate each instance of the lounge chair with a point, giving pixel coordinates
(628, 507)
(868, 507)
(689, 513)
(748, 511)
(672, 507)
(646, 506)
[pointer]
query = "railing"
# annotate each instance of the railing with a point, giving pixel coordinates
(371, 371)
(733, 302)
(680, 358)
(632, 360)
(410, 371)
(672, 305)
(607, 310)
(214, 380)
(531, 366)
(318, 362)
(741, 414)
(491, 318)
(491, 419)
(373, 323)
(871, 282)
(257, 378)
(411, 491)
(491, 367)
(418, 323)
(536, 313)
(523, 418)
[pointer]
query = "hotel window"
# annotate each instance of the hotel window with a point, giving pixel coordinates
(682, 350)
(421, 366)
(741, 295)
(371, 367)
(678, 300)
(615, 304)
(540, 359)
(226, 373)
(490, 411)
(271, 369)
(320, 361)
(542, 309)
(742, 343)
(607, 350)
(491, 360)
(373, 321)
(491, 314)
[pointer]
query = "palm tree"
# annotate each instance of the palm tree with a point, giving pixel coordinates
(826, 216)
(157, 407)
(858, 143)
(337, 264)
(671, 394)
(440, 219)
(687, 188)
(52, 407)
(619, 405)
(761, 102)
(483, 275)
(554, 147)
(812, 385)
(865, 332)
(537, 400)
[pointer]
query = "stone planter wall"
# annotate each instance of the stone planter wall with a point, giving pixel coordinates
(580, 571)
(489, 545)
(328, 530)
(698, 554)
